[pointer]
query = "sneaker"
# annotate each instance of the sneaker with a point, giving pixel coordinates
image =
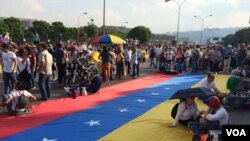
(33, 88)
(22, 112)
(67, 89)
(42, 99)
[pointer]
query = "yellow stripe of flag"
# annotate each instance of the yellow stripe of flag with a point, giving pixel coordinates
(152, 126)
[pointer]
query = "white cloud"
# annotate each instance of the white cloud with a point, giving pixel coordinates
(22, 8)
(233, 3)
(160, 16)
(138, 10)
(114, 18)
(237, 18)
(34, 5)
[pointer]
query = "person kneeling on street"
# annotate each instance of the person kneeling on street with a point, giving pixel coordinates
(185, 112)
(210, 84)
(17, 101)
(237, 83)
(213, 119)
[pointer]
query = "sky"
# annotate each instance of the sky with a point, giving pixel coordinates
(158, 15)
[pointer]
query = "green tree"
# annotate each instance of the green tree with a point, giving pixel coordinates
(116, 32)
(44, 30)
(58, 27)
(3, 28)
(243, 35)
(91, 29)
(15, 28)
(71, 34)
(231, 39)
(28, 34)
(142, 33)
(82, 34)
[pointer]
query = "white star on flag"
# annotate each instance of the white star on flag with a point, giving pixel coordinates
(141, 100)
(123, 110)
(167, 88)
(46, 139)
(155, 94)
(93, 122)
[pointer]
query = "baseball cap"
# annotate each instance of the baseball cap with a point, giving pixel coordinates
(212, 101)
(95, 69)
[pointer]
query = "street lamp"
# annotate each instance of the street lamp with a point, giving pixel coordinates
(124, 24)
(85, 13)
(202, 22)
(104, 12)
(179, 13)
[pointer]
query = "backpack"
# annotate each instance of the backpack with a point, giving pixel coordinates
(196, 54)
(152, 53)
(24, 77)
(163, 57)
(74, 94)
(174, 110)
(139, 54)
(23, 102)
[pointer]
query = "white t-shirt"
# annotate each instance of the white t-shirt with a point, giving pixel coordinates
(206, 53)
(82, 47)
(128, 54)
(158, 51)
(205, 84)
(220, 115)
(8, 61)
(187, 53)
(169, 55)
(15, 94)
(185, 112)
(6, 39)
(22, 66)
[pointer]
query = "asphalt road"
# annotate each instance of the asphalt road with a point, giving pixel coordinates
(57, 90)
(236, 116)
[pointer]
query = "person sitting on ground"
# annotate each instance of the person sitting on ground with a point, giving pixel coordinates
(18, 100)
(212, 119)
(237, 83)
(209, 84)
(246, 72)
(92, 87)
(95, 83)
(187, 111)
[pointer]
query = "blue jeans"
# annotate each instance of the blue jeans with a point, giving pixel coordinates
(9, 108)
(195, 127)
(32, 79)
(9, 82)
(44, 86)
(136, 69)
(199, 128)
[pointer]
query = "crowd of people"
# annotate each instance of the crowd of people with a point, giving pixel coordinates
(21, 63)
(210, 58)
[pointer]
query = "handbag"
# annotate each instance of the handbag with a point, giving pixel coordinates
(25, 77)
(24, 73)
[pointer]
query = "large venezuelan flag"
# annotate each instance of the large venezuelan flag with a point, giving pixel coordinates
(137, 110)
